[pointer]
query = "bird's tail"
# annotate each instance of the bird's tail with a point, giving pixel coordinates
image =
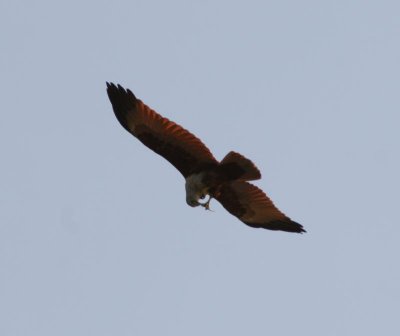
(235, 166)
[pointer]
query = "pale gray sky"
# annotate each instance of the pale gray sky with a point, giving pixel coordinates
(95, 234)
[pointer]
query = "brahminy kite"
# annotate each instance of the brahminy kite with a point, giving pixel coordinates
(226, 181)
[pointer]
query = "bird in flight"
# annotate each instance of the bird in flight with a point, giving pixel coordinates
(226, 181)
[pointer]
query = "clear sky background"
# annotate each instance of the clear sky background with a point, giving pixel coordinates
(95, 234)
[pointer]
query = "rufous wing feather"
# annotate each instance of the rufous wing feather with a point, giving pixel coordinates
(252, 206)
(180, 147)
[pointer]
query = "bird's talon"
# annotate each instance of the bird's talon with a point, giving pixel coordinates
(207, 205)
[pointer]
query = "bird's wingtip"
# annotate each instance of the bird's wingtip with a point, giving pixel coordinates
(297, 228)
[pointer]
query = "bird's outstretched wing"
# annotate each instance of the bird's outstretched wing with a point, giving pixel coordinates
(252, 206)
(180, 147)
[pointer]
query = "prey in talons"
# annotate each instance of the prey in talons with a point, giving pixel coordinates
(206, 205)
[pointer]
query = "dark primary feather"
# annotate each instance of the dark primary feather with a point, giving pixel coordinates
(252, 206)
(180, 147)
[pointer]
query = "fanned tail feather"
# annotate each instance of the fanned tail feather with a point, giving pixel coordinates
(235, 166)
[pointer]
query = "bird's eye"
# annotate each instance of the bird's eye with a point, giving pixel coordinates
(202, 196)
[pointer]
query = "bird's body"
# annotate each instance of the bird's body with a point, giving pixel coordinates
(226, 181)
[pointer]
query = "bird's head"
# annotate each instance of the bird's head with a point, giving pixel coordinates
(193, 199)
(192, 202)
